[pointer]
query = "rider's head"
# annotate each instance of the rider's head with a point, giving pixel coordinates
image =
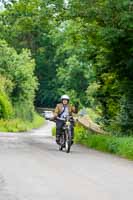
(65, 99)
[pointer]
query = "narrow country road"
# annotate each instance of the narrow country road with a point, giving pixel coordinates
(32, 168)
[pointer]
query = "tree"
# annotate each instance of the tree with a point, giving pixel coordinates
(83, 48)
(27, 24)
(17, 76)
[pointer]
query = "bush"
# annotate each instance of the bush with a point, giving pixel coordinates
(6, 110)
(125, 147)
(18, 82)
(24, 111)
(37, 121)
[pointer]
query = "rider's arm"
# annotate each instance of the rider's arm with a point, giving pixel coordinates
(75, 109)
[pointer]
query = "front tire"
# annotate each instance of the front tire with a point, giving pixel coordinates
(68, 142)
(67, 147)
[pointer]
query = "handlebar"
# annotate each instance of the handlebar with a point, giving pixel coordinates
(69, 118)
(66, 118)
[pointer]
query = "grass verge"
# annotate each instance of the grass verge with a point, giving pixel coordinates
(18, 125)
(53, 131)
(122, 146)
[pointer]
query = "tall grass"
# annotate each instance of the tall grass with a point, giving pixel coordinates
(19, 125)
(122, 146)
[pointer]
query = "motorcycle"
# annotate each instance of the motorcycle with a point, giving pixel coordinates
(66, 135)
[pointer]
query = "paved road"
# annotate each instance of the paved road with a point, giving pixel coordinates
(32, 168)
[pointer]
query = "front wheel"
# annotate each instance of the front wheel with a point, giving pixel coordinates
(68, 141)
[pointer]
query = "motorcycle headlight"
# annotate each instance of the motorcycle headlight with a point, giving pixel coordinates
(67, 123)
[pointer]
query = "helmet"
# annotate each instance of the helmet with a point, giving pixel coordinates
(65, 97)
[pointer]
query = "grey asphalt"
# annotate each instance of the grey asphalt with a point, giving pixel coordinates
(32, 168)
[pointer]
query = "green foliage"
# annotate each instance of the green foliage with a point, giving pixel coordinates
(108, 30)
(125, 147)
(24, 111)
(26, 24)
(12, 125)
(37, 121)
(18, 82)
(53, 131)
(94, 114)
(73, 69)
(83, 48)
(18, 125)
(6, 110)
(6, 85)
(122, 146)
(19, 69)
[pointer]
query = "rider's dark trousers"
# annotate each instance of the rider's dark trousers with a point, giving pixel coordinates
(59, 126)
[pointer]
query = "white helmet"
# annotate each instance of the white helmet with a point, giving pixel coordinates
(65, 97)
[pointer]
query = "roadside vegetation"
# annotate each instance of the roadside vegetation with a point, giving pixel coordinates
(19, 125)
(17, 90)
(82, 48)
(121, 146)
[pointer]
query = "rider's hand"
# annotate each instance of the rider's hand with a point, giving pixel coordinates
(51, 119)
(76, 104)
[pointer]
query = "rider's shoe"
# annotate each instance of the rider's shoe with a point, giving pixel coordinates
(63, 145)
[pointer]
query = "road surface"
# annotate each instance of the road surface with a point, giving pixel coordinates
(32, 168)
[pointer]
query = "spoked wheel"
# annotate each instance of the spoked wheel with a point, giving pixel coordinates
(67, 147)
(68, 143)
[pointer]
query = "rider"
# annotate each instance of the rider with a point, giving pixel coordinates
(62, 110)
